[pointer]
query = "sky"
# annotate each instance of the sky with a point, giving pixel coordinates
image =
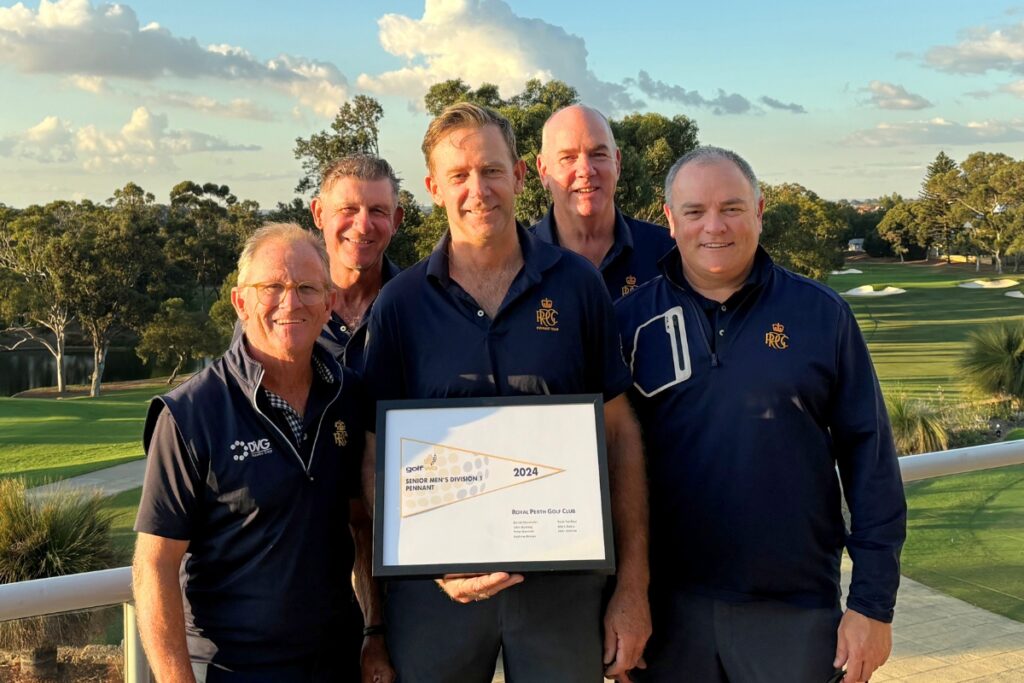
(851, 100)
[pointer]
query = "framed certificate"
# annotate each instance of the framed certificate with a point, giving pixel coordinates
(492, 484)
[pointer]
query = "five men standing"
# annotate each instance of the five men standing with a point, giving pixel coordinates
(751, 384)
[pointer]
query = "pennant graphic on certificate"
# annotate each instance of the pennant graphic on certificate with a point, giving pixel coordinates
(436, 475)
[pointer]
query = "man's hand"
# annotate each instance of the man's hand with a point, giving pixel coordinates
(627, 626)
(375, 662)
(466, 588)
(863, 645)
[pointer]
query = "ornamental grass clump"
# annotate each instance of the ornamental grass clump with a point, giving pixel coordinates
(917, 427)
(67, 532)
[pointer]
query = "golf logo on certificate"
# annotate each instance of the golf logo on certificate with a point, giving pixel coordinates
(517, 483)
(435, 475)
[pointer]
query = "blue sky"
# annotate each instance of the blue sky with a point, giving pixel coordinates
(849, 99)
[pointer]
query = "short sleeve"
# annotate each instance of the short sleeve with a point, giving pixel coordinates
(169, 503)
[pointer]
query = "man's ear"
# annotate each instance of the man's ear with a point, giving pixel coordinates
(316, 207)
(671, 220)
(238, 301)
(434, 190)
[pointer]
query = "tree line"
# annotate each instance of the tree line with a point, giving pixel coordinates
(975, 208)
(161, 273)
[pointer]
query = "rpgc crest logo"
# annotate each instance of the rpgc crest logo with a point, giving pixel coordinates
(777, 338)
(547, 316)
(340, 434)
(630, 285)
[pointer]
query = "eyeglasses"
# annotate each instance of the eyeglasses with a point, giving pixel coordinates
(271, 293)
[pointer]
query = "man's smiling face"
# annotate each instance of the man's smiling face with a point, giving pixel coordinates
(358, 219)
(715, 218)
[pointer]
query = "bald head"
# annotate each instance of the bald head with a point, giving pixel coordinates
(579, 165)
(575, 116)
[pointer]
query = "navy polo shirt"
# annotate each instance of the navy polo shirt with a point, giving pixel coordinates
(554, 333)
(746, 410)
(269, 550)
(633, 258)
(345, 342)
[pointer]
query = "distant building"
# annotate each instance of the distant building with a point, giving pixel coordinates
(856, 244)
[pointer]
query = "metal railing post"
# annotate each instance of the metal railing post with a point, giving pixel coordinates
(136, 668)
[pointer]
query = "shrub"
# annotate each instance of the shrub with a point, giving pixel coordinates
(917, 427)
(67, 532)
(994, 360)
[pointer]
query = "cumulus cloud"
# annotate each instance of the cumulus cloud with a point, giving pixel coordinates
(75, 39)
(773, 103)
(981, 49)
(938, 131)
(892, 96)
(484, 41)
(723, 103)
(144, 142)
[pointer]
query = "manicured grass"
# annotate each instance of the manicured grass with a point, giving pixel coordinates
(917, 338)
(124, 506)
(965, 537)
(46, 439)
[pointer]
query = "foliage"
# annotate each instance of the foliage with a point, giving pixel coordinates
(61, 534)
(900, 228)
(405, 249)
(917, 427)
(36, 304)
(203, 235)
(649, 143)
(297, 211)
(354, 131)
(222, 312)
(178, 335)
(994, 360)
(801, 231)
(117, 268)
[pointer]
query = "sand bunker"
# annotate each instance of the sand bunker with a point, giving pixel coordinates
(1016, 294)
(848, 271)
(987, 284)
(868, 290)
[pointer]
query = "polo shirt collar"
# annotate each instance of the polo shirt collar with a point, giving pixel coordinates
(538, 256)
(622, 236)
(671, 266)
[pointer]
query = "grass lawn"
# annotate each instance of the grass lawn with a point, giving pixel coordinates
(124, 506)
(917, 338)
(965, 537)
(45, 439)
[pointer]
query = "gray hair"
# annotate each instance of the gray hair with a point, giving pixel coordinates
(286, 233)
(708, 154)
(360, 167)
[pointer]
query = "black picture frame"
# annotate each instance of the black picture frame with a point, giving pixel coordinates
(386, 470)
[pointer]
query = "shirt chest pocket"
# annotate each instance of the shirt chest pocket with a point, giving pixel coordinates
(661, 353)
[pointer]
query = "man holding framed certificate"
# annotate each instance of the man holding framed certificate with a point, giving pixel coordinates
(494, 312)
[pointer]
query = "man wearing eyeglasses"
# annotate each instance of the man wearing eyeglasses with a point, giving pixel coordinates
(253, 465)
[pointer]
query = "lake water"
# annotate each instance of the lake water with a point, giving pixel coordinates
(27, 369)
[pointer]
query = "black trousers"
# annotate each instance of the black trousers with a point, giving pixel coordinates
(712, 641)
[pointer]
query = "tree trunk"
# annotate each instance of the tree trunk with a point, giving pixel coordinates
(62, 381)
(99, 360)
(998, 262)
(176, 370)
(40, 663)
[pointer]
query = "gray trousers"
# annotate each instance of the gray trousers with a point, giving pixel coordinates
(548, 628)
(712, 641)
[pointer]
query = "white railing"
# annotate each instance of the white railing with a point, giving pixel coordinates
(113, 586)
